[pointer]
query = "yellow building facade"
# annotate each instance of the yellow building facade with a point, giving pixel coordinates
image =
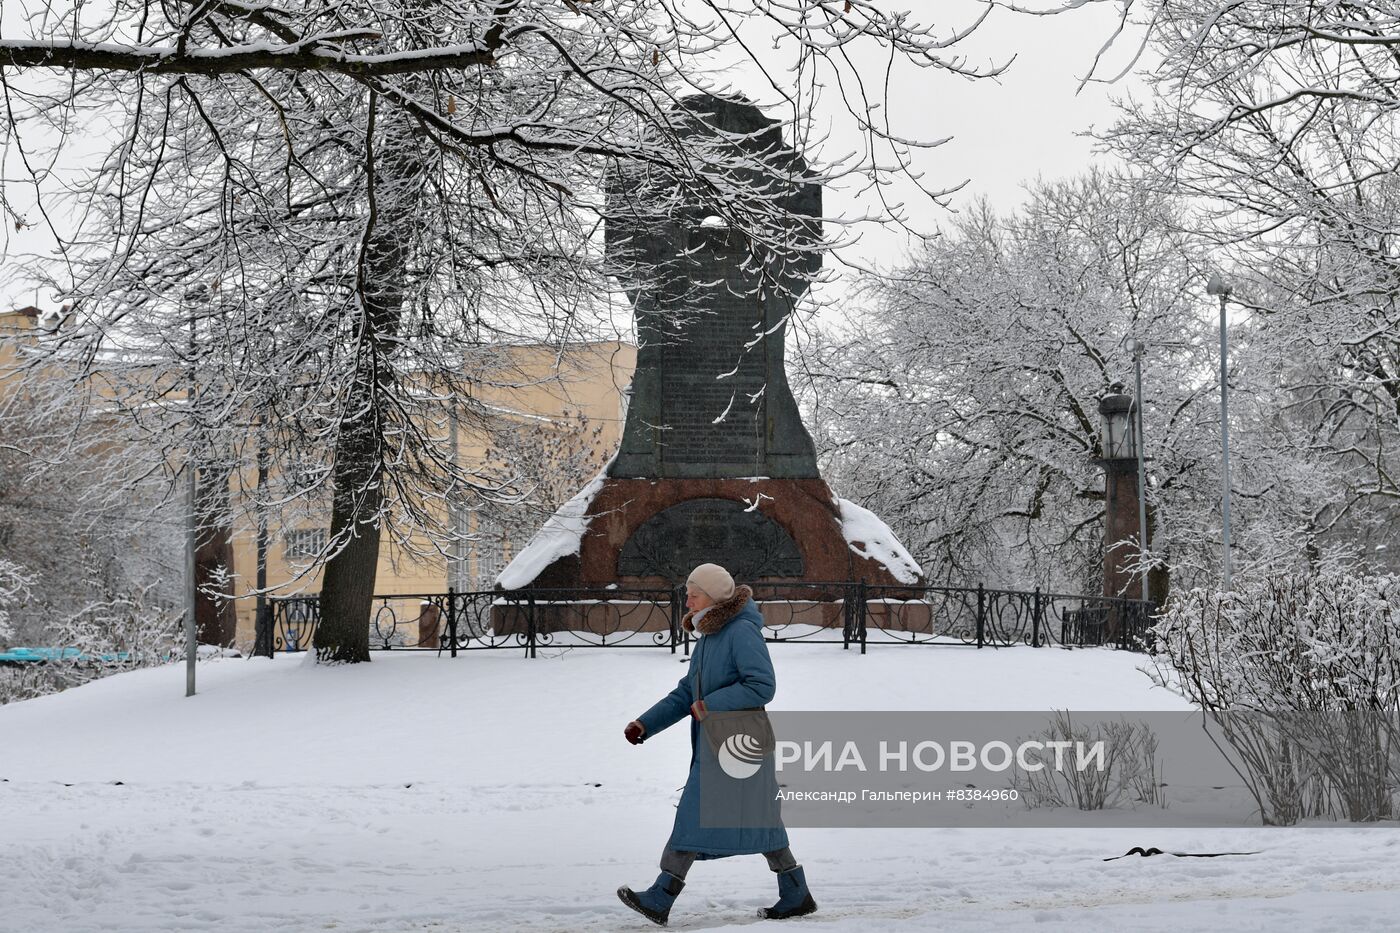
(566, 398)
(577, 396)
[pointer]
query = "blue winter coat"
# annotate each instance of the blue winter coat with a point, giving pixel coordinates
(738, 675)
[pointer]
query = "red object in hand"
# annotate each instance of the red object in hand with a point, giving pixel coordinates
(635, 732)
(698, 710)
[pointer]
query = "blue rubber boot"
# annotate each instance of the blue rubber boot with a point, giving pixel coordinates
(794, 900)
(655, 902)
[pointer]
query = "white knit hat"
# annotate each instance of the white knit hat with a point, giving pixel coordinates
(713, 580)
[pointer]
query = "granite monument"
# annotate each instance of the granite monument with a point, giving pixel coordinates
(715, 463)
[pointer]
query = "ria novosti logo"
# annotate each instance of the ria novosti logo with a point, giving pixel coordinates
(740, 756)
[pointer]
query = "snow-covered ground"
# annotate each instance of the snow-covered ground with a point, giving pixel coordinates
(492, 792)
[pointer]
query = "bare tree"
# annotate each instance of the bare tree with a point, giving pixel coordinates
(88, 563)
(962, 403)
(309, 225)
(1277, 121)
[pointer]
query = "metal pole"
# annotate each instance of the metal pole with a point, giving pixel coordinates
(261, 601)
(1142, 472)
(1225, 442)
(191, 582)
(862, 618)
(451, 622)
(981, 616)
(454, 511)
(1035, 620)
(677, 600)
(191, 635)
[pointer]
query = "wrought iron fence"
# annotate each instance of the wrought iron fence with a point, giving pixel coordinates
(812, 613)
(981, 617)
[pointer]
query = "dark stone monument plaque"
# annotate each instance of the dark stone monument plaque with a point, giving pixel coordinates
(715, 464)
(710, 531)
(710, 396)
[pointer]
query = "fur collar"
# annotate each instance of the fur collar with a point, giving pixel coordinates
(720, 614)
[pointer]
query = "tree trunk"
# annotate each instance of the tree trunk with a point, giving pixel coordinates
(395, 187)
(347, 589)
(213, 561)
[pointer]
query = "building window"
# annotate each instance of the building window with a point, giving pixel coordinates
(306, 475)
(490, 560)
(306, 543)
(458, 566)
(484, 552)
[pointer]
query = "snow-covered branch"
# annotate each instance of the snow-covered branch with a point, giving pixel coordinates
(315, 53)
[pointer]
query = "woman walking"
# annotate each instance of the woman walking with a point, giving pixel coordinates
(729, 671)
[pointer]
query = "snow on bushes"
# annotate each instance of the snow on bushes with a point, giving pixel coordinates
(14, 589)
(1320, 657)
(106, 632)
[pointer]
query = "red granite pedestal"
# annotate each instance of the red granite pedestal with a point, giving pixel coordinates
(805, 508)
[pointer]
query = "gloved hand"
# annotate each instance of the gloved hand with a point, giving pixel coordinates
(635, 732)
(698, 710)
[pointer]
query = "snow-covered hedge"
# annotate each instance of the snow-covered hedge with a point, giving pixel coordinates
(1325, 642)
(14, 590)
(1320, 655)
(1132, 776)
(111, 632)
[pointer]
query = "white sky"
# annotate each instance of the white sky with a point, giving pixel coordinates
(1004, 131)
(1008, 130)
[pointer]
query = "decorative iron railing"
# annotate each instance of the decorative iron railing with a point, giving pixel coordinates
(812, 613)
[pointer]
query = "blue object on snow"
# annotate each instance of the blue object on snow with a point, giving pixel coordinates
(41, 655)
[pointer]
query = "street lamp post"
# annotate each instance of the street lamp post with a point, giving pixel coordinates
(191, 582)
(191, 505)
(263, 622)
(1139, 349)
(1218, 286)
